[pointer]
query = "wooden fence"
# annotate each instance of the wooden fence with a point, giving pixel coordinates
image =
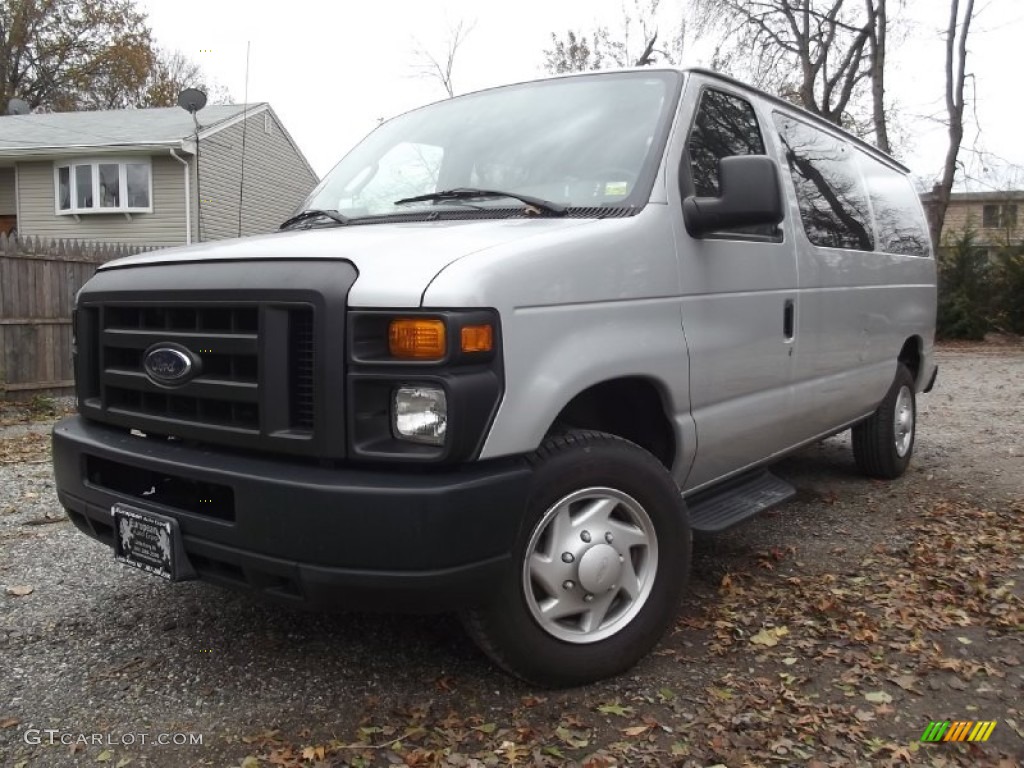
(38, 282)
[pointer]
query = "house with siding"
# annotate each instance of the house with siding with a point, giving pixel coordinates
(995, 219)
(147, 177)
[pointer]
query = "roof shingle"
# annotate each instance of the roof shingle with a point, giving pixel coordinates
(113, 128)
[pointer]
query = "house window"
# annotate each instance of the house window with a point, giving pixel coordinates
(999, 216)
(104, 186)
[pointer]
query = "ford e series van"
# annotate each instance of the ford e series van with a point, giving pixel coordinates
(513, 351)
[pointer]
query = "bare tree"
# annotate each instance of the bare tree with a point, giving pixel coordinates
(441, 68)
(582, 52)
(816, 53)
(171, 73)
(878, 32)
(956, 61)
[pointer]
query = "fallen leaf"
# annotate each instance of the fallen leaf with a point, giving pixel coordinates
(769, 637)
(636, 730)
(9, 722)
(615, 709)
(573, 739)
(104, 756)
(878, 697)
(906, 682)
(789, 661)
(964, 640)
(251, 762)
(486, 727)
(314, 753)
(123, 762)
(20, 590)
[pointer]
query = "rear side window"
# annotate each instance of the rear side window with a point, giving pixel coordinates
(725, 126)
(900, 227)
(832, 199)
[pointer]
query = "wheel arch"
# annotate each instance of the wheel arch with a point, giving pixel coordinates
(912, 355)
(636, 408)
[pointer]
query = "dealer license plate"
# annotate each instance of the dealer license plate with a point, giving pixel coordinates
(146, 540)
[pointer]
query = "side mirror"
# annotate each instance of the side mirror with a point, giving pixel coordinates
(749, 195)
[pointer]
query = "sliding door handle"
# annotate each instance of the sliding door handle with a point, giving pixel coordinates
(787, 320)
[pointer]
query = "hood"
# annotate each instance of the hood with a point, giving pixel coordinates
(395, 261)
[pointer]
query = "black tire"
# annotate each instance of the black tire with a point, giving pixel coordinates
(880, 449)
(625, 495)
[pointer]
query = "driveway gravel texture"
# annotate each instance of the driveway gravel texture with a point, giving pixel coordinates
(827, 632)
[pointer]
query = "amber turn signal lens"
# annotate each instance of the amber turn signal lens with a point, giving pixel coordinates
(477, 338)
(416, 338)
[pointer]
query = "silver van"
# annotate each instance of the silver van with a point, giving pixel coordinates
(515, 349)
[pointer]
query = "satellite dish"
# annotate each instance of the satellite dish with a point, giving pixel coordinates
(18, 107)
(192, 100)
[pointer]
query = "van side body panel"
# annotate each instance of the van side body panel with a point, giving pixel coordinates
(598, 304)
(856, 309)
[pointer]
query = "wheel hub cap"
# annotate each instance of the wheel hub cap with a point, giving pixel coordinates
(903, 422)
(590, 564)
(599, 568)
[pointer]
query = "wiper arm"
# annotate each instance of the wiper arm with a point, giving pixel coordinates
(466, 193)
(314, 213)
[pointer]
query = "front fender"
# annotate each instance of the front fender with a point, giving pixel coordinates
(554, 353)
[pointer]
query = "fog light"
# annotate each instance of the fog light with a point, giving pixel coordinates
(420, 414)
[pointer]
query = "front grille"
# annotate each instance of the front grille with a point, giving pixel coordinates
(255, 384)
(225, 340)
(266, 338)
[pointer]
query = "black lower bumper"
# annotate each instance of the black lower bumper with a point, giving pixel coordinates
(316, 536)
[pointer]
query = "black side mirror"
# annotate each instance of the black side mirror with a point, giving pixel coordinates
(749, 195)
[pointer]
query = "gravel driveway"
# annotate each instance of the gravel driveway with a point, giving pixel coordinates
(99, 653)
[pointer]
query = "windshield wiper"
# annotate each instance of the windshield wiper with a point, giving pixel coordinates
(467, 193)
(314, 213)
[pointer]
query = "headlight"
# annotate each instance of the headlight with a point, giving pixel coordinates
(420, 414)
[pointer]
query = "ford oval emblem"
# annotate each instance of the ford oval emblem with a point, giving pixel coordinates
(167, 365)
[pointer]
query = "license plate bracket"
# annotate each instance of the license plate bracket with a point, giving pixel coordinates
(150, 542)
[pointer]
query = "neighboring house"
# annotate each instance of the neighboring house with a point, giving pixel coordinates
(995, 218)
(130, 176)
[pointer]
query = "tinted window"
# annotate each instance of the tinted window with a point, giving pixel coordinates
(725, 126)
(899, 223)
(833, 203)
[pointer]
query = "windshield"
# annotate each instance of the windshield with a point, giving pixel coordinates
(584, 141)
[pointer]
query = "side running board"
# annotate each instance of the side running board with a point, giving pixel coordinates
(719, 508)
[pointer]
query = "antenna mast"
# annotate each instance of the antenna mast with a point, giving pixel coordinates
(245, 125)
(192, 100)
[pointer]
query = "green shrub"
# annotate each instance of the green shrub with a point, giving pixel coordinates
(1008, 289)
(966, 293)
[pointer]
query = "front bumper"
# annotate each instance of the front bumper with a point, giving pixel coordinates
(316, 536)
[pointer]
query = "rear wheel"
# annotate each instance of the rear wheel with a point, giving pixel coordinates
(884, 443)
(598, 568)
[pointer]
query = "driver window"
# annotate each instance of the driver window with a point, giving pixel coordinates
(726, 125)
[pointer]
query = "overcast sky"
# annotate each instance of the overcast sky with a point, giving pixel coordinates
(332, 69)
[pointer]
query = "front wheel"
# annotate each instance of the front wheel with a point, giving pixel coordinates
(884, 442)
(598, 569)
